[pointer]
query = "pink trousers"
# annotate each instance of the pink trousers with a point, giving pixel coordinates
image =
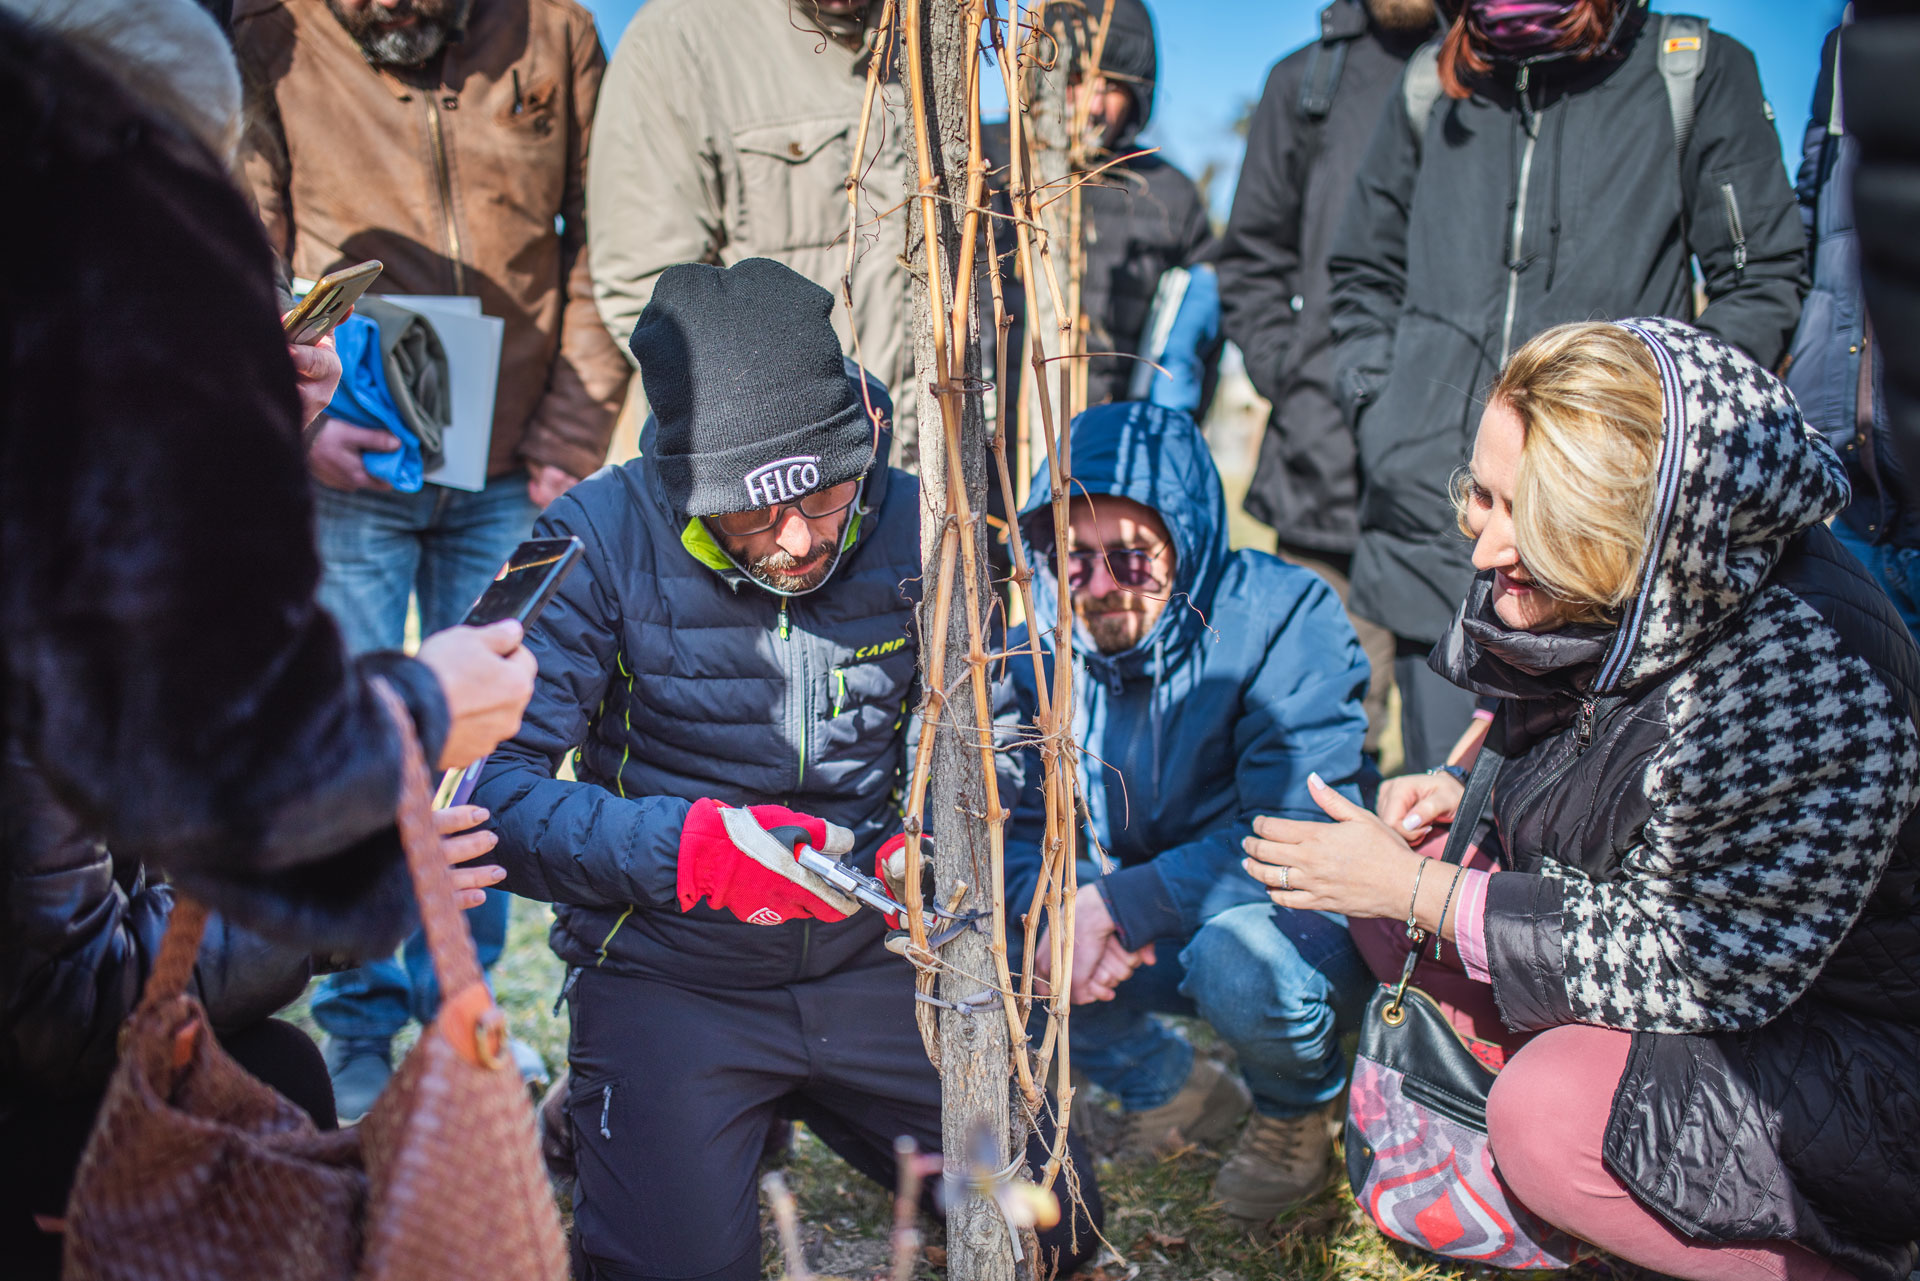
(1546, 1122)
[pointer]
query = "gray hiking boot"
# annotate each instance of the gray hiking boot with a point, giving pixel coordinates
(1277, 1165)
(1205, 1111)
(359, 1069)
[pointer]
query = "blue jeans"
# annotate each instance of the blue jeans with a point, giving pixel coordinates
(377, 551)
(1278, 985)
(1895, 568)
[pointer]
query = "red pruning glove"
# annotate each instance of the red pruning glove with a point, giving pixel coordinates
(890, 865)
(730, 858)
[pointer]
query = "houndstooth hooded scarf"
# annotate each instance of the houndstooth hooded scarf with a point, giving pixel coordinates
(1787, 768)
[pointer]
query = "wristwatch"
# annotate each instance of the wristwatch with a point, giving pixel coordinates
(1457, 773)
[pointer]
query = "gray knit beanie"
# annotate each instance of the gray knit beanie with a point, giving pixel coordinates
(751, 401)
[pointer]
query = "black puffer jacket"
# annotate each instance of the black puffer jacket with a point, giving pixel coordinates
(1705, 827)
(679, 677)
(171, 689)
(1303, 149)
(1511, 212)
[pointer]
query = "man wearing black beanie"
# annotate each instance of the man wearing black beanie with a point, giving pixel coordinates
(732, 666)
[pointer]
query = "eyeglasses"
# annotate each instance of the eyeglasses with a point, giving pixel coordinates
(1129, 567)
(818, 505)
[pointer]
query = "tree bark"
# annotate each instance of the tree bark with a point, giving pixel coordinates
(974, 1046)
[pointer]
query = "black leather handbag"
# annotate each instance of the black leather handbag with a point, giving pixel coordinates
(1416, 1135)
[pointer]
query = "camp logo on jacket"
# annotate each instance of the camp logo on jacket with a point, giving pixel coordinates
(880, 650)
(783, 480)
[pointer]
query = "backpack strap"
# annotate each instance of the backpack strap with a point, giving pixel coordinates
(1683, 55)
(1324, 64)
(1420, 89)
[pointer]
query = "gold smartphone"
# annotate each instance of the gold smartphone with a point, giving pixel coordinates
(329, 301)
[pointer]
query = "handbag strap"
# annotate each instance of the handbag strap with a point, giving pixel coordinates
(1466, 817)
(455, 963)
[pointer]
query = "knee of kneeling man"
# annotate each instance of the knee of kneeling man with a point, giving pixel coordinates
(1242, 973)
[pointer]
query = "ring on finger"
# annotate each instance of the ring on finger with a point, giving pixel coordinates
(1286, 874)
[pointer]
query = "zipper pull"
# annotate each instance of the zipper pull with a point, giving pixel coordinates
(839, 691)
(1520, 80)
(1587, 710)
(573, 976)
(783, 620)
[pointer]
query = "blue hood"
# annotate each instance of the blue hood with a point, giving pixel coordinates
(1156, 457)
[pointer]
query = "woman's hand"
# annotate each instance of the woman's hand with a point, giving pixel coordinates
(316, 371)
(1411, 804)
(1356, 865)
(469, 883)
(487, 676)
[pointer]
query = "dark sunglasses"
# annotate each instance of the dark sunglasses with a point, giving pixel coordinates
(1130, 567)
(818, 505)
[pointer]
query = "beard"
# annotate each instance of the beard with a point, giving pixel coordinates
(846, 23)
(1402, 15)
(776, 569)
(1119, 620)
(386, 45)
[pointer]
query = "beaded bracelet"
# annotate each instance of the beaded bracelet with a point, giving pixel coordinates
(1439, 930)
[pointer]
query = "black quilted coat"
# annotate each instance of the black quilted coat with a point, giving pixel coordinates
(1705, 830)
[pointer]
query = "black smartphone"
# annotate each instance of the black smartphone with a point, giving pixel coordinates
(520, 590)
(526, 582)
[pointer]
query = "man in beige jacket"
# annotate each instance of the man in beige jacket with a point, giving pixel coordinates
(726, 131)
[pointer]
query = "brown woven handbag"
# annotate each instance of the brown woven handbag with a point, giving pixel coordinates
(196, 1171)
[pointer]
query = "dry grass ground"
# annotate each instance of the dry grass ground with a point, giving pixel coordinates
(1160, 1218)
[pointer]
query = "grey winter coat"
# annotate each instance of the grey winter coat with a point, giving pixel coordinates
(1705, 828)
(1518, 209)
(1303, 149)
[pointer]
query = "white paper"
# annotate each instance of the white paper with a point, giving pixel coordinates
(472, 342)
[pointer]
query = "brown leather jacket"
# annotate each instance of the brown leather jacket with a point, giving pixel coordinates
(453, 176)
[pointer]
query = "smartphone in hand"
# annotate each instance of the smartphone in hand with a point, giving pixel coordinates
(328, 302)
(520, 590)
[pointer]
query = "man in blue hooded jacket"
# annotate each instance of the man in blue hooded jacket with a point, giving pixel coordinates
(1209, 684)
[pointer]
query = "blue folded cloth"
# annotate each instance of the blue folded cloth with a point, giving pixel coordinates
(363, 400)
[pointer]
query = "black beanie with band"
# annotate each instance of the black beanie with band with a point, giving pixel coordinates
(751, 400)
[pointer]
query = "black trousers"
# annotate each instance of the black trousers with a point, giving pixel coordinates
(673, 1092)
(41, 1140)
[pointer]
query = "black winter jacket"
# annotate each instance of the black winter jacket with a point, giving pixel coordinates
(677, 677)
(1824, 362)
(171, 689)
(1705, 827)
(1514, 211)
(1303, 149)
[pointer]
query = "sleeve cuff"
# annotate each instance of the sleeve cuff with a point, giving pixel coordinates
(420, 690)
(1142, 908)
(1470, 924)
(1525, 959)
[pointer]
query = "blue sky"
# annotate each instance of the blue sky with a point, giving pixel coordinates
(1214, 57)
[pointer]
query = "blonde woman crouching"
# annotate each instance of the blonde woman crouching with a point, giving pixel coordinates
(1692, 926)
